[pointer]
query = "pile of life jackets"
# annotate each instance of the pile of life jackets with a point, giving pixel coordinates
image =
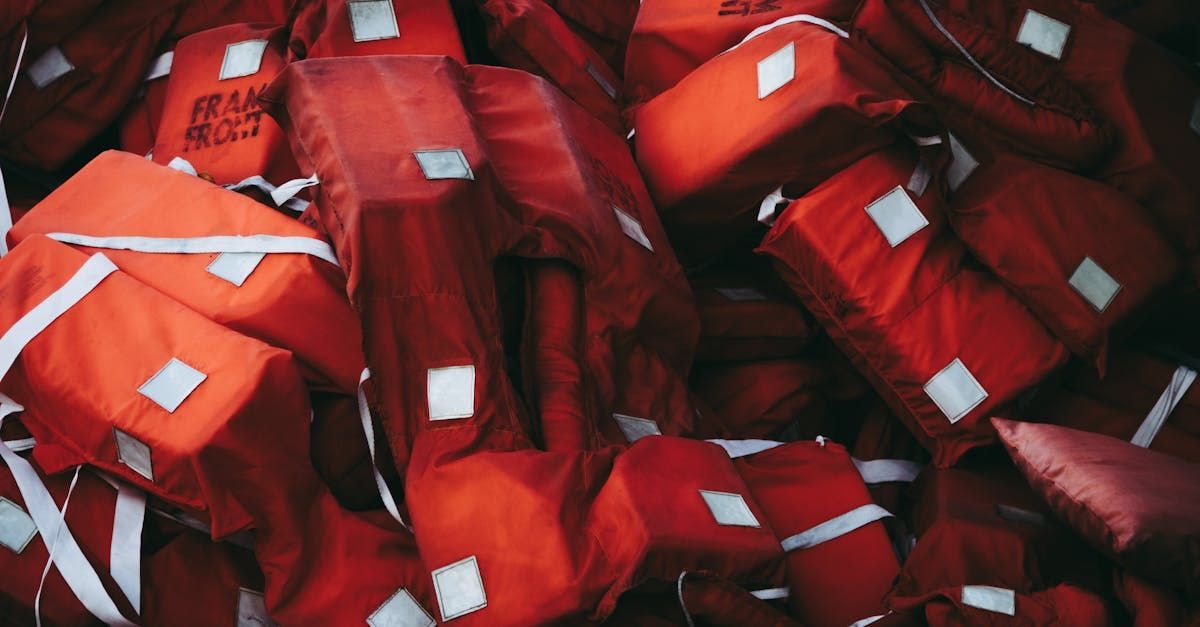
(660, 312)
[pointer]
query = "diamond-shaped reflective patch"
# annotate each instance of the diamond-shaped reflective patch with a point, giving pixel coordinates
(252, 610)
(776, 70)
(451, 392)
(49, 67)
(896, 216)
(16, 527)
(133, 453)
(1043, 33)
(459, 588)
(449, 163)
(729, 509)
(400, 610)
(955, 390)
(636, 428)
(242, 59)
(632, 228)
(235, 267)
(172, 384)
(962, 164)
(990, 598)
(372, 20)
(1095, 285)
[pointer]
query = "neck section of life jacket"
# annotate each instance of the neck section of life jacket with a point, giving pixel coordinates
(484, 173)
(209, 421)
(211, 115)
(942, 341)
(771, 117)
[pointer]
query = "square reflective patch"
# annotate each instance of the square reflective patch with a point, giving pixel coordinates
(1095, 285)
(729, 509)
(400, 610)
(252, 610)
(449, 163)
(738, 294)
(636, 428)
(16, 527)
(372, 20)
(242, 59)
(896, 216)
(962, 164)
(632, 228)
(49, 67)
(172, 384)
(990, 598)
(955, 390)
(1043, 33)
(133, 453)
(235, 267)
(451, 392)
(459, 588)
(776, 70)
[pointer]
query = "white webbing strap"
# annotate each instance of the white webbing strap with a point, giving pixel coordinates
(1181, 380)
(22, 445)
(970, 59)
(125, 556)
(364, 414)
(5, 210)
(835, 527)
(771, 594)
(769, 206)
(887, 470)
(683, 604)
(792, 19)
(286, 190)
(297, 205)
(742, 448)
(76, 571)
(206, 244)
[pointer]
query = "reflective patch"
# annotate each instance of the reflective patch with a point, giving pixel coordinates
(133, 453)
(1018, 514)
(1196, 116)
(1043, 33)
(235, 267)
(49, 67)
(896, 216)
(451, 392)
(1094, 284)
(738, 294)
(601, 81)
(16, 526)
(777, 70)
(372, 20)
(449, 163)
(771, 594)
(631, 227)
(252, 610)
(172, 384)
(161, 66)
(955, 391)
(962, 164)
(242, 59)
(990, 598)
(459, 588)
(636, 428)
(919, 181)
(400, 610)
(729, 509)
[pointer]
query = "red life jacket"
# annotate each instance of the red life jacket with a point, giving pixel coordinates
(941, 341)
(195, 581)
(345, 28)
(971, 605)
(715, 145)
(760, 399)
(603, 24)
(212, 117)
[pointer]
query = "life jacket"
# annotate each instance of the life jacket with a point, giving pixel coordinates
(1082, 256)
(1143, 399)
(237, 456)
(713, 600)
(79, 64)
(252, 269)
(671, 38)
(940, 340)
(715, 146)
(608, 370)
(840, 562)
(759, 399)
(1150, 605)
(987, 89)
(529, 35)
(344, 28)
(195, 581)
(603, 24)
(211, 116)
(1066, 605)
